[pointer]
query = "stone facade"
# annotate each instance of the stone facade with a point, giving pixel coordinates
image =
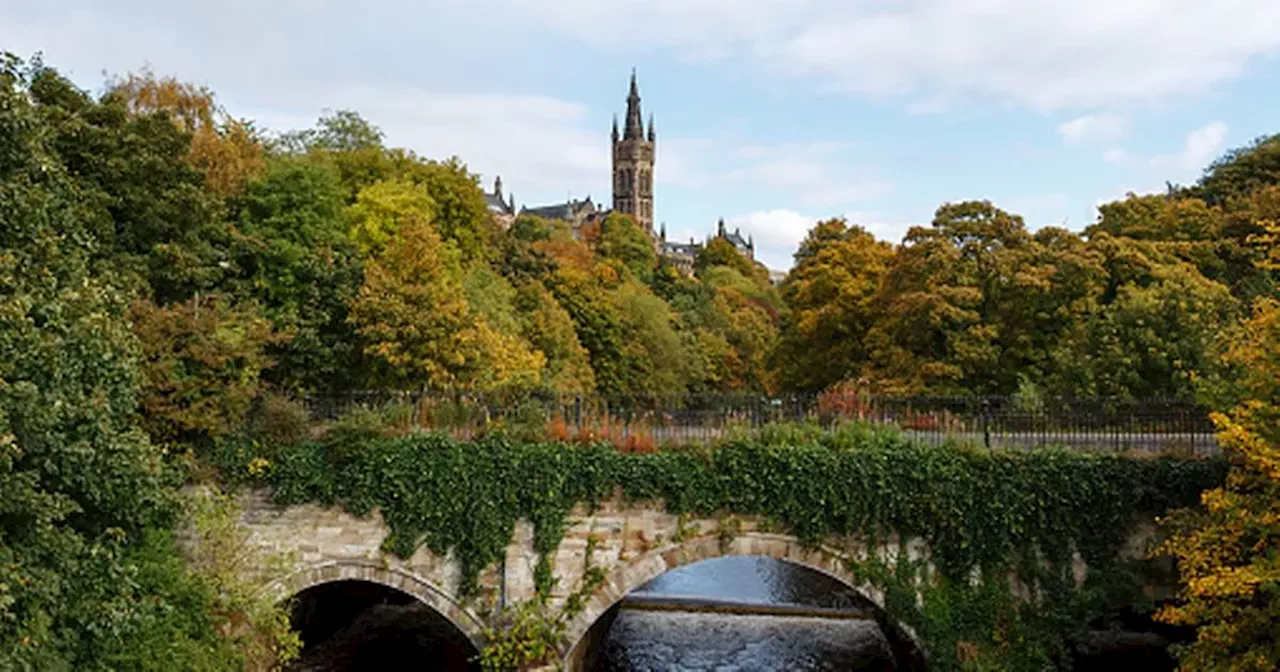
(503, 208)
(633, 159)
(634, 155)
(632, 544)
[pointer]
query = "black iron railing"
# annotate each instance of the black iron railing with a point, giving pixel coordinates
(1149, 425)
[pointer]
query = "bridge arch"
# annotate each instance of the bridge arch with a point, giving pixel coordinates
(626, 576)
(467, 622)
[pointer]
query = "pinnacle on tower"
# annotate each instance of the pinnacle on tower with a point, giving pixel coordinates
(615, 127)
(634, 129)
(652, 135)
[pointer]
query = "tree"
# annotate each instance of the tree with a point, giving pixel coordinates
(227, 150)
(381, 210)
(653, 361)
(623, 240)
(521, 257)
(90, 577)
(296, 261)
(462, 217)
(830, 293)
(347, 143)
(145, 202)
(413, 316)
(1154, 340)
(1226, 552)
(202, 367)
(720, 252)
(548, 326)
(941, 301)
(1242, 171)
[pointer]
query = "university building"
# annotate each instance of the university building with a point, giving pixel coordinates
(634, 156)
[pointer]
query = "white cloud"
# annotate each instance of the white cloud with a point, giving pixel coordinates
(1200, 148)
(1092, 127)
(778, 233)
(542, 146)
(1039, 210)
(1204, 144)
(1116, 156)
(1047, 54)
(279, 64)
(817, 174)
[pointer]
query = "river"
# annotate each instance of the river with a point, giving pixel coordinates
(642, 639)
(358, 626)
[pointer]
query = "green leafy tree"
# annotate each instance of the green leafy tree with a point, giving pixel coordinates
(90, 577)
(720, 252)
(1153, 340)
(623, 240)
(382, 209)
(462, 217)
(653, 360)
(522, 259)
(345, 142)
(1242, 171)
(202, 367)
(298, 264)
(147, 204)
(549, 327)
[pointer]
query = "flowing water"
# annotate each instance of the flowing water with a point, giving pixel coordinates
(648, 640)
(361, 626)
(640, 639)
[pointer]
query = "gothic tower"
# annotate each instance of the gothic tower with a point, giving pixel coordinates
(633, 156)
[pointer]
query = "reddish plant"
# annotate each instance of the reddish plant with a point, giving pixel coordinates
(842, 400)
(557, 429)
(639, 443)
(920, 421)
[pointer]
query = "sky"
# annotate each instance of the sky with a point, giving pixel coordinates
(772, 114)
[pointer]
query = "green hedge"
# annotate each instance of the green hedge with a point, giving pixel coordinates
(998, 511)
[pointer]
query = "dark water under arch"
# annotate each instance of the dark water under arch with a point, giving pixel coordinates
(360, 625)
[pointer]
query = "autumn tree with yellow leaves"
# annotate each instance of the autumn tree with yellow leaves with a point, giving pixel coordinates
(1229, 553)
(227, 150)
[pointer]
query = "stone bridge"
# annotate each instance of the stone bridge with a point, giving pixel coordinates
(631, 544)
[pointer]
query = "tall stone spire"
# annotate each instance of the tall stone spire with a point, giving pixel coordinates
(633, 159)
(635, 122)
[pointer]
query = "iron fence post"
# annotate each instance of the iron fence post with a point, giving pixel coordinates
(577, 411)
(986, 424)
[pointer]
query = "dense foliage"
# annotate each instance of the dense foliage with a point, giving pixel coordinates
(1023, 512)
(350, 264)
(170, 273)
(90, 576)
(1228, 550)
